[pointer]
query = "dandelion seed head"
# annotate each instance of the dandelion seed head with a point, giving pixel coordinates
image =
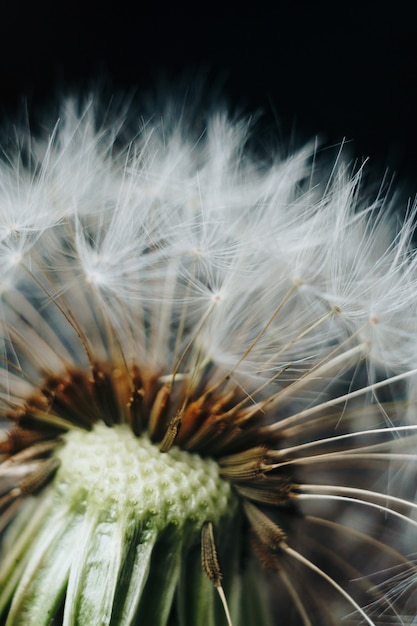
(200, 349)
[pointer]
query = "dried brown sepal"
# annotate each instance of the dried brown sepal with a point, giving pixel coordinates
(211, 565)
(221, 404)
(209, 558)
(70, 397)
(211, 430)
(194, 415)
(159, 411)
(135, 410)
(104, 395)
(209, 420)
(31, 483)
(242, 473)
(36, 480)
(268, 533)
(257, 454)
(18, 439)
(244, 466)
(271, 494)
(29, 453)
(171, 433)
(34, 416)
(268, 559)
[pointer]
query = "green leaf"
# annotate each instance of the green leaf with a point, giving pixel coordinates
(196, 593)
(158, 595)
(42, 587)
(133, 577)
(94, 573)
(17, 542)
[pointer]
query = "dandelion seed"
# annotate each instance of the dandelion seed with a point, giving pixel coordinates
(203, 386)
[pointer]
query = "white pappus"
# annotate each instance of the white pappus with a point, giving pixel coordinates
(201, 350)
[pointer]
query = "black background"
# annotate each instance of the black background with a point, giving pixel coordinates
(333, 69)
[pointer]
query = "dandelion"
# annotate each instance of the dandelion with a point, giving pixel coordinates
(204, 369)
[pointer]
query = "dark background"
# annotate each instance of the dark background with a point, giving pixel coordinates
(336, 69)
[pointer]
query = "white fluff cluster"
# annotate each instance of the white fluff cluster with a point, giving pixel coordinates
(172, 221)
(268, 300)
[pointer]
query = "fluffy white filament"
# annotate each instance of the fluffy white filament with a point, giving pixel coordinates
(225, 232)
(175, 251)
